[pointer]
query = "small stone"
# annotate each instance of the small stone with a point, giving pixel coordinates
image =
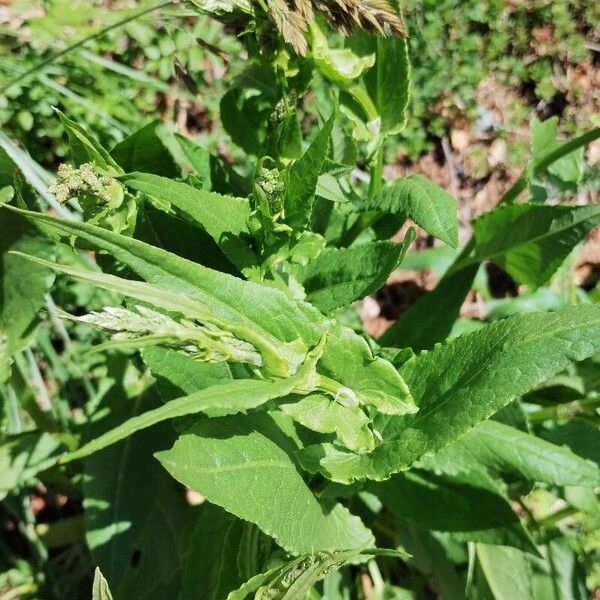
(460, 139)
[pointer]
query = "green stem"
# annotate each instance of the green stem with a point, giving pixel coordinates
(376, 171)
(546, 161)
(342, 394)
(556, 517)
(360, 94)
(81, 42)
(512, 194)
(566, 410)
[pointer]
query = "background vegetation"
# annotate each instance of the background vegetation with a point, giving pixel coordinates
(495, 86)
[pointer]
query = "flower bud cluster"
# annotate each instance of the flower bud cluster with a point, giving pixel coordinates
(273, 187)
(203, 342)
(72, 182)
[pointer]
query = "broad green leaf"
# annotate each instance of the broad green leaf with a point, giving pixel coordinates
(216, 562)
(463, 382)
(388, 82)
(468, 505)
(21, 297)
(235, 465)
(85, 148)
(226, 398)
(119, 517)
(507, 573)
(145, 151)
(100, 589)
(418, 198)
(329, 188)
(224, 218)
(530, 241)
(341, 66)
(431, 318)
(431, 558)
(246, 309)
(338, 277)
(374, 382)
(182, 373)
(505, 449)
(303, 175)
(322, 413)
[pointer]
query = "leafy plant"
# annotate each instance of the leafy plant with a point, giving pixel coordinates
(185, 390)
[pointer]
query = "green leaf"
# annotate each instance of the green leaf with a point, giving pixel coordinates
(21, 297)
(463, 382)
(568, 169)
(338, 277)
(227, 398)
(224, 218)
(121, 522)
(418, 198)
(23, 456)
(468, 505)
(507, 572)
(347, 358)
(303, 176)
(100, 589)
(323, 414)
(235, 464)
(215, 564)
(505, 449)
(388, 82)
(87, 149)
(341, 66)
(530, 241)
(145, 151)
(246, 309)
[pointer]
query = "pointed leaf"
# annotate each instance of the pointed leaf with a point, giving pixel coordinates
(505, 449)
(85, 148)
(100, 589)
(338, 277)
(463, 382)
(469, 506)
(235, 465)
(323, 414)
(303, 176)
(224, 218)
(418, 198)
(530, 241)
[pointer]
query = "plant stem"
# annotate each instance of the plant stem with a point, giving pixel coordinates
(546, 161)
(376, 172)
(566, 410)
